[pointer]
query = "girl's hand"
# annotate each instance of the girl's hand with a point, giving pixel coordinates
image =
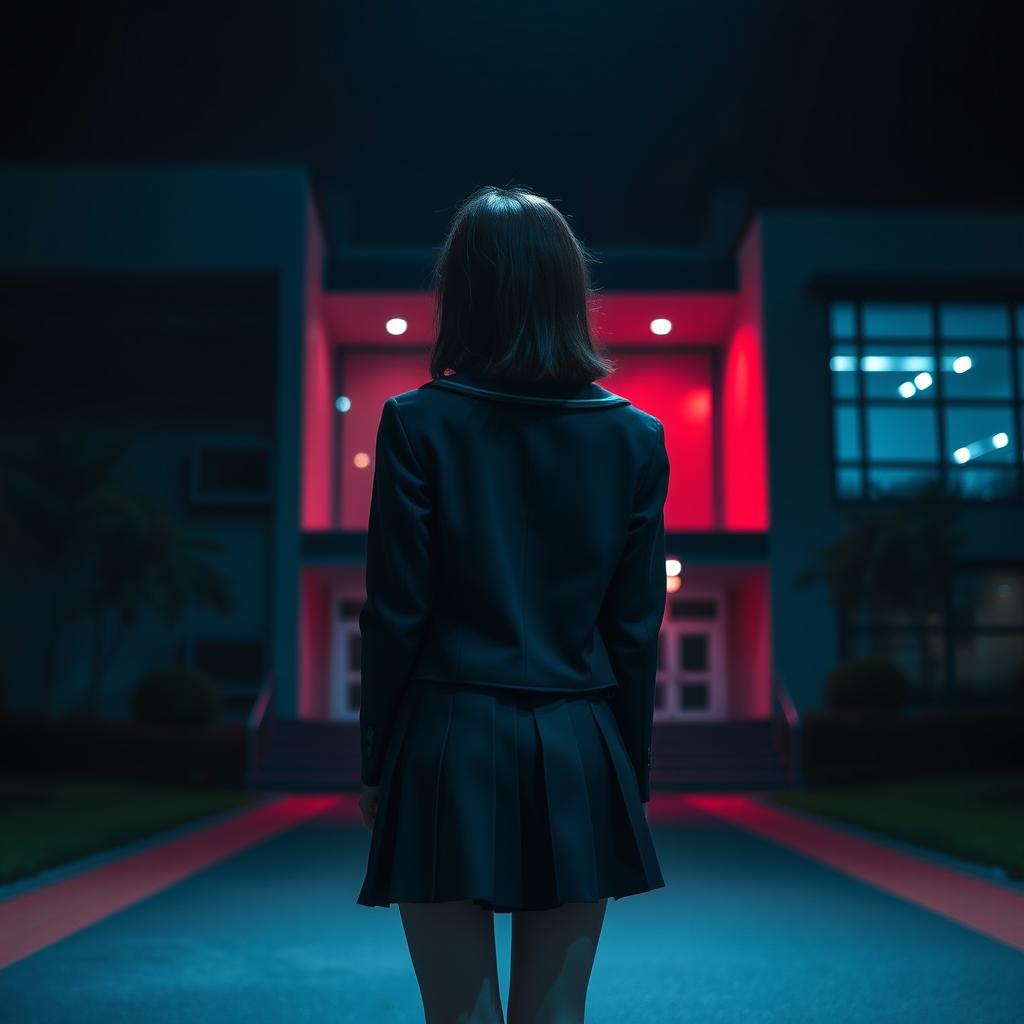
(368, 805)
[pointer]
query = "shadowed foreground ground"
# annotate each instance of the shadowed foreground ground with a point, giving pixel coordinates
(745, 931)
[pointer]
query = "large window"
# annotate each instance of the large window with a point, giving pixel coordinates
(968, 654)
(926, 391)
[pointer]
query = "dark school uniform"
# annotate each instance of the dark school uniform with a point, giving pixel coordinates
(515, 582)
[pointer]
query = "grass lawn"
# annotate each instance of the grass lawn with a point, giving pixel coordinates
(976, 817)
(48, 821)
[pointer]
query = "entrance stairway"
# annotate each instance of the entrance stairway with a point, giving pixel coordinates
(717, 756)
(295, 755)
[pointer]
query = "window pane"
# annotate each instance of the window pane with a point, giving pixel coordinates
(962, 320)
(990, 484)
(1020, 323)
(848, 482)
(841, 320)
(693, 652)
(898, 371)
(895, 433)
(987, 661)
(693, 695)
(989, 597)
(976, 371)
(980, 433)
(899, 483)
(847, 432)
(896, 320)
(843, 367)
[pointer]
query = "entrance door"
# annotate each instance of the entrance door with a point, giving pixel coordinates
(343, 703)
(691, 660)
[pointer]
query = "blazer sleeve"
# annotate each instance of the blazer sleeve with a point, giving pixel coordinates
(399, 586)
(631, 614)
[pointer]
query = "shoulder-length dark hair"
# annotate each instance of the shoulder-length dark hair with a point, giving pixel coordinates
(512, 287)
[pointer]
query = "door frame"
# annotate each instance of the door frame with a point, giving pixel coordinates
(670, 675)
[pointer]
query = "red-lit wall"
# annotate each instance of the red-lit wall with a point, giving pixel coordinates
(677, 389)
(749, 641)
(672, 377)
(314, 645)
(317, 400)
(744, 451)
(368, 380)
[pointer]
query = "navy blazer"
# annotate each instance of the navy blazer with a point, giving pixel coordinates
(516, 539)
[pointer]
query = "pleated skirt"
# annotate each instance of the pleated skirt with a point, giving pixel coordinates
(516, 800)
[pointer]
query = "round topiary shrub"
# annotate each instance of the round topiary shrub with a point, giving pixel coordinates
(178, 695)
(867, 684)
(1017, 689)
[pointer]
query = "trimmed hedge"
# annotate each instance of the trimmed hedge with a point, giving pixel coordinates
(867, 683)
(850, 747)
(178, 695)
(209, 755)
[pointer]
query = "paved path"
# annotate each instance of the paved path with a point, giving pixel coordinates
(747, 930)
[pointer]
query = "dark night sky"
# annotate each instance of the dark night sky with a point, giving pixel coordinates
(628, 113)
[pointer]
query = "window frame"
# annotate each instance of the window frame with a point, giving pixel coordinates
(1012, 301)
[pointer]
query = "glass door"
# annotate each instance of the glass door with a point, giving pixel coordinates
(691, 660)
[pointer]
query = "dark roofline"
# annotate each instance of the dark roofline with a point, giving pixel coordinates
(620, 268)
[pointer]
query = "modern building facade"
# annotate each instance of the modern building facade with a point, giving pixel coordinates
(807, 364)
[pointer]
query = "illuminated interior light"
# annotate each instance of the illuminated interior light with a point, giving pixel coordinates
(889, 364)
(1000, 440)
(396, 325)
(876, 364)
(841, 364)
(673, 583)
(661, 326)
(360, 460)
(923, 380)
(962, 454)
(673, 567)
(343, 403)
(962, 364)
(907, 389)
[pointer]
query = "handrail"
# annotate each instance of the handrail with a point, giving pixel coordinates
(787, 729)
(258, 725)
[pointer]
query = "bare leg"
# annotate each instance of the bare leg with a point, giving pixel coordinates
(453, 954)
(552, 957)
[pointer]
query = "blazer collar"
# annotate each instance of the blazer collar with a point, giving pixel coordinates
(585, 395)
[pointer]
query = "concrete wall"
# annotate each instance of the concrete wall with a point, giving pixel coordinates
(803, 514)
(88, 219)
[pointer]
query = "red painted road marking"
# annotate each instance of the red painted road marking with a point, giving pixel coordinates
(40, 917)
(994, 910)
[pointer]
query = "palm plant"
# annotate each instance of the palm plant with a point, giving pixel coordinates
(63, 520)
(892, 560)
(143, 560)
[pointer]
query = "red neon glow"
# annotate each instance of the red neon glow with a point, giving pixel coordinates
(43, 916)
(993, 910)
(681, 394)
(677, 389)
(744, 444)
(368, 380)
(749, 632)
(314, 645)
(317, 400)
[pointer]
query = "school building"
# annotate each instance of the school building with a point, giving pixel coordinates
(808, 364)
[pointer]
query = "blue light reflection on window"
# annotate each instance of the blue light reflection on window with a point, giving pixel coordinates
(984, 371)
(897, 320)
(886, 367)
(902, 433)
(846, 423)
(974, 320)
(980, 434)
(841, 320)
